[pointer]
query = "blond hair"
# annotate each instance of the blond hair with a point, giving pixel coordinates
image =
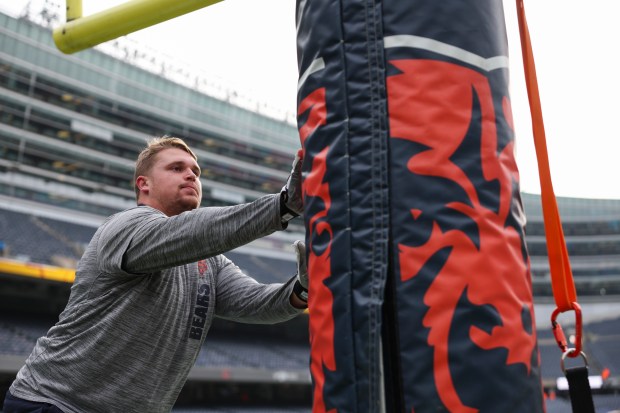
(146, 159)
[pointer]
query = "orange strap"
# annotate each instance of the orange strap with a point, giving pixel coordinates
(559, 264)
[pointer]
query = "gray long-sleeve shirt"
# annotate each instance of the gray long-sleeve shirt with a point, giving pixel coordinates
(145, 293)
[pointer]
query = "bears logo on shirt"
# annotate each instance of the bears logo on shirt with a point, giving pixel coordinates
(201, 309)
(202, 267)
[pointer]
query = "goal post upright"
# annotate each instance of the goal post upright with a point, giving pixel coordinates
(420, 293)
(74, 9)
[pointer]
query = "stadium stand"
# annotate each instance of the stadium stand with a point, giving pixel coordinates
(592, 231)
(42, 240)
(70, 128)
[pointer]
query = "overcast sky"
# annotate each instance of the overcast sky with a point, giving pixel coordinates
(250, 44)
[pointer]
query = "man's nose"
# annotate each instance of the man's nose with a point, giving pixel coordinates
(189, 174)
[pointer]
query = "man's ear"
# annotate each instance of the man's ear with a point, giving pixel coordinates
(142, 183)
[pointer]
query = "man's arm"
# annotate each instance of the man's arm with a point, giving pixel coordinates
(144, 240)
(241, 298)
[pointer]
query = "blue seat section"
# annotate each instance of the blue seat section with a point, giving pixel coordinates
(253, 352)
(18, 334)
(600, 342)
(42, 240)
(264, 269)
(550, 355)
(76, 233)
(603, 346)
(558, 405)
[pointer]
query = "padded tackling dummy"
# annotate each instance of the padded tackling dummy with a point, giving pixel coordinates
(420, 291)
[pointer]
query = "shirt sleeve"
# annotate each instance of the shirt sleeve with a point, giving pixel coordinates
(143, 240)
(241, 298)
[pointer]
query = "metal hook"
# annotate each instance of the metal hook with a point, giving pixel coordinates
(567, 353)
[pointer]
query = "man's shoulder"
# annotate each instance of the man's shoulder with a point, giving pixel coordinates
(129, 216)
(138, 210)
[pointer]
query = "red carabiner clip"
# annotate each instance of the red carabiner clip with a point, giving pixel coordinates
(558, 333)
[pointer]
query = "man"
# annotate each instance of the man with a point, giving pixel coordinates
(147, 289)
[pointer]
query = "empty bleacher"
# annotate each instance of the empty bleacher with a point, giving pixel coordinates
(602, 343)
(42, 240)
(18, 332)
(264, 269)
(254, 353)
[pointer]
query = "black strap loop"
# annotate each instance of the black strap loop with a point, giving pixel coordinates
(579, 390)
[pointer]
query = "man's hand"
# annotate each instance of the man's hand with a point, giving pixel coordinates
(301, 284)
(292, 197)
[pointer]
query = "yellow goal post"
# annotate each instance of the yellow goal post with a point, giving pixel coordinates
(83, 32)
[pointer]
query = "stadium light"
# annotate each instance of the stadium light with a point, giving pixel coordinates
(83, 32)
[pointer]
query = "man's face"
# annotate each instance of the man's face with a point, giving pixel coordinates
(172, 185)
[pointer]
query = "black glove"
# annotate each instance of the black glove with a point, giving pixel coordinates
(291, 200)
(301, 284)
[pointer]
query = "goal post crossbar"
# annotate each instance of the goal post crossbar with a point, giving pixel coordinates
(83, 32)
